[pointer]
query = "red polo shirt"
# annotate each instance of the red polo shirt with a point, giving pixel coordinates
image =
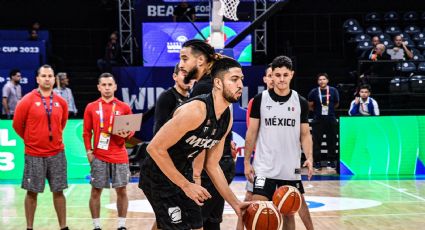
(31, 124)
(116, 152)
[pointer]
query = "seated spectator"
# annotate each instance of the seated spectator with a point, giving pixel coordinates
(366, 55)
(112, 55)
(65, 92)
(379, 53)
(400, 50)
(364, 105)
(183, 11)
(33, 35)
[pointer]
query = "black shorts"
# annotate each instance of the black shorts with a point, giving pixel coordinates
(212, 210)
(266, 186)
(175, 211)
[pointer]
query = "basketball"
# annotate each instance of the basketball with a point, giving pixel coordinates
(262, 215)
(287, 199)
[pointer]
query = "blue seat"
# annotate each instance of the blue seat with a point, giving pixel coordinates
(405, 35)
(421, 67)
(393, 30)
(373, 17)
(355, 30)
(384, 36)
(406, 66)
(412, 29)
(366, 45)
(418, 36)
(421, 44)
(418, 57)
(391, 16)
(350, 23)
(417, 83)
(388, 43)
(415, 51)
(410, 16)
(362, 37)
(374, 30)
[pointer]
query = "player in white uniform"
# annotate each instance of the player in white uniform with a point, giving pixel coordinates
(278, 122)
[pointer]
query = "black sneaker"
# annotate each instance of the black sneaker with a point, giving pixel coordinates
(97, 229)
(65, 228)
(122, 228)
(331, 164)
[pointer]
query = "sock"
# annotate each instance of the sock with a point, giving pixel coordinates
(121, 222)
(96, 223)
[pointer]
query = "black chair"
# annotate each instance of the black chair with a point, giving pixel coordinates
(410, 16)
(373, 17)
(374, 30)
(388, 43)
(350, 23)
(404, 35)
(366, 45)
(423, 17)
(423, 53)
(409, 43)
(417, 83)
(384, 36)
(418, 36)
(393, 30)
(412, 29)
(362, 37)
(353, 30)
(421, 45)
(421, 67)
(399, 84)
(391, 16)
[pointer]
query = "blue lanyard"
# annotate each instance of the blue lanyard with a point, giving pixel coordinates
(48, 112)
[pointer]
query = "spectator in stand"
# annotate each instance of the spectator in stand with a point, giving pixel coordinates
(33, 35)
(400, 50)
(379, 53)
(184, 11)
(112, 55)
(366, 55)
(65, 92)
(11, 93)
(323, 101)
(364, 105)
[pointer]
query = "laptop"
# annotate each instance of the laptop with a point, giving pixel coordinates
(130, 122)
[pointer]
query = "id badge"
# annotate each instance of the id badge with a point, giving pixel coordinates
(325, 110)
(104, 141)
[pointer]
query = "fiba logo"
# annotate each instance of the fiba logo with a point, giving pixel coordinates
(181, 39)
(175, 214)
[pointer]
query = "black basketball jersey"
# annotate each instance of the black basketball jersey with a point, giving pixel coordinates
(207, 135)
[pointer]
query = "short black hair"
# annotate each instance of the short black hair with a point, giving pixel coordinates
(45, 66)
(322, 74)
(176, 68)
(200, 47)
(223, 64)
(267, 67)
(106, 75)
(13, 72)
(365, 86)
(282, 61)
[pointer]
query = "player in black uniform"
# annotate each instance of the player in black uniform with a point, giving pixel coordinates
(212, 210)
(201, 123)
(171, 98)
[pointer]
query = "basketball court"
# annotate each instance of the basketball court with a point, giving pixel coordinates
(334, 202)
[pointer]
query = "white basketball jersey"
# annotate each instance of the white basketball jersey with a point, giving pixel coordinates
(278, 147)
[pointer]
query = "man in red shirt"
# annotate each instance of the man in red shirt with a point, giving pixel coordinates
(39, 120)
(107, 156)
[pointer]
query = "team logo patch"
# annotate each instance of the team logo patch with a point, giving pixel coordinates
(38, 103)
(259, 182)
(291, 108)
(56, 104)
(206, 129)
(268, 107)
(117, 113)
(175, 214)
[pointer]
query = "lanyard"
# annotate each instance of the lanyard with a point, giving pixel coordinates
(48, 112)
(111, 117)
(327, 95)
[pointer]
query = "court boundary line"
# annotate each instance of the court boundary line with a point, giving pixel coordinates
(398, 190)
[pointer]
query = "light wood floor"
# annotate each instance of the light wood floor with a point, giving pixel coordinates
(379, 204)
